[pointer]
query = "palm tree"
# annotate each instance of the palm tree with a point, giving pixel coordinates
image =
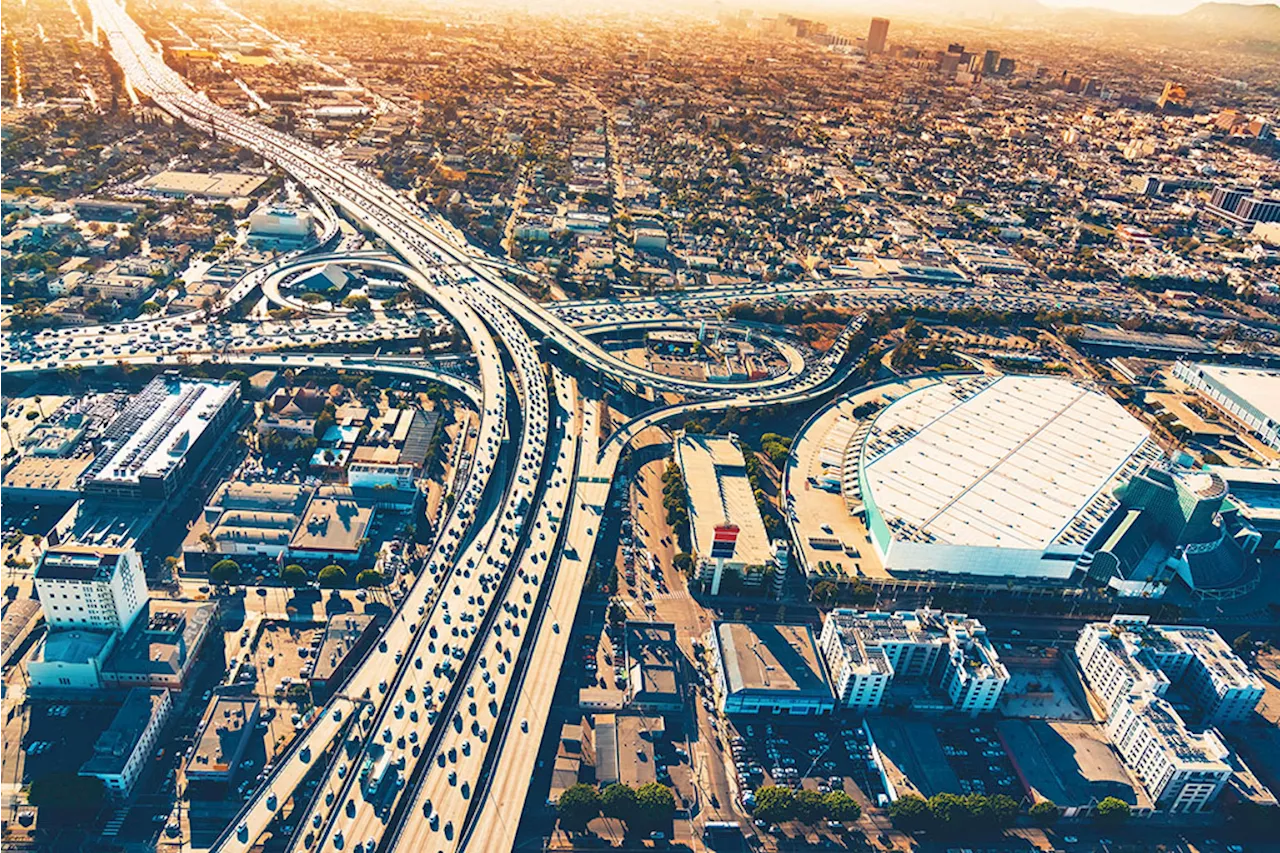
(6, 432)
(38, 401)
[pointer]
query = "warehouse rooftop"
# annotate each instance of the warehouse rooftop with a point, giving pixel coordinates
(1017, 462)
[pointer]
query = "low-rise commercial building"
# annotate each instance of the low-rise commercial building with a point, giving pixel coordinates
(224, 734)
(70, 659)
(767, 668)
(1249, 395)
(653, 659)
(122, 750)
(347, 637)
(162, 646)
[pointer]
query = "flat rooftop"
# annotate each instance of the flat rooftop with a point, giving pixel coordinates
(332, 524)
(341, 634)
(912, 756)
(163, 638)
(47, 473)
(763, 657)
(213, 185)
(79, 563)
(226, 724)
(1257, 387)
(158, 427)
(1013, 462)
(1070, 763)
(719, 493)
(115, 746)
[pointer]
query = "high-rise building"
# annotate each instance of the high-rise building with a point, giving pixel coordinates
(99, 589)
(878, 35)
(1007, 67)
(990, 62)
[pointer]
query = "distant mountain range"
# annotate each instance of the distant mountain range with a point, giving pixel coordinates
(1257, 21)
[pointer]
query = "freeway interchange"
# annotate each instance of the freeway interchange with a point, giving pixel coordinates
(430, 743)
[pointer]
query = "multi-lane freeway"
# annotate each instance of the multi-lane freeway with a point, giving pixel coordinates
(430, 742)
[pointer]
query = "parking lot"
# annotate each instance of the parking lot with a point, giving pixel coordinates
(827, 755)
(979, 760)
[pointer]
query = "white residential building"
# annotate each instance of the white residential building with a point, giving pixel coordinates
(1128, 656)
(975, 677)
(1130, 665)
(1183, 771)
(99, 589)
(866, 651)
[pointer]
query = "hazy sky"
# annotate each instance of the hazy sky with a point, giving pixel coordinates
(1149, 7)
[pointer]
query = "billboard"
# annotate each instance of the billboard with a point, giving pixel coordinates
(726, 538)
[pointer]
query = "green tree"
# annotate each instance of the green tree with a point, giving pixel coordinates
(619, 801)
(949, 810)
(774, 804)
(1112, 810)
(294, 575)
(67, 797)
(655, 804)
(150, 307)
(909, 812)
(840, 806)
(1045, 812)
(1243, 644)
(225, 571)
(809, 806)
(1001, 810)
(332, 577)
(369, 578)
(577, 806)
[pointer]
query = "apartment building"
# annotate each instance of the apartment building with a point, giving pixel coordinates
(1183, 771)
(866, 651)
(1128, 656)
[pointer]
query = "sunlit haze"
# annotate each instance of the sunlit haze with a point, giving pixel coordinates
(480, 426)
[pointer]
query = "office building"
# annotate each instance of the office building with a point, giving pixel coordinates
(990, 62)
(97, 589)
(123, 750)
(867, 651)
(1241, 206)
(878, 35)
(1007, 476)
(767, 668)
(163, 437)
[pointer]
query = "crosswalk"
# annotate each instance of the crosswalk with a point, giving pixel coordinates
(112, 829)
